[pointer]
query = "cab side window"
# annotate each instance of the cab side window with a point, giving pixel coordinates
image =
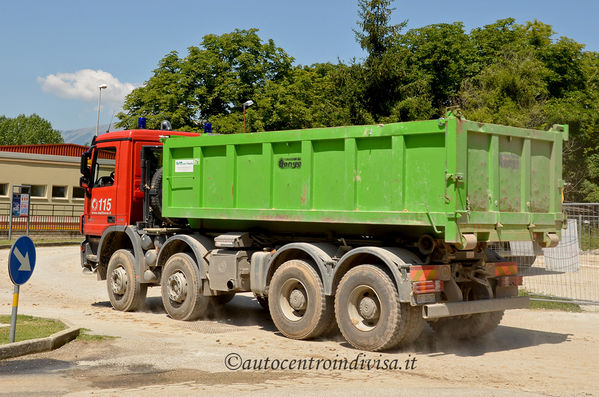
(105, 161)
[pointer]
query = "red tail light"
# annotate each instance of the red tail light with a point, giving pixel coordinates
(427, 287)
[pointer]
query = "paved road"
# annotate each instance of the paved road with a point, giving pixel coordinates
(531, 353)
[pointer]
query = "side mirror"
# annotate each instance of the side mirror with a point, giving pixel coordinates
(86, 173)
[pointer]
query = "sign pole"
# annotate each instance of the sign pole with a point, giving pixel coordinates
(28, 187)
(21, 262)
(13, 318)
(10, 221)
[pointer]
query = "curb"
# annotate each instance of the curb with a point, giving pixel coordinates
(31, 346)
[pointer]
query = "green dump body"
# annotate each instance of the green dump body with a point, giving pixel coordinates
(450, 178)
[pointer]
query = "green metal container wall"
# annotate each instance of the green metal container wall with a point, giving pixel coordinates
(445, 177)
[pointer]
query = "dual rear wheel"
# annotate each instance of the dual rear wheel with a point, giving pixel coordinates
(366, 307)
(297, 302)
(369, 313)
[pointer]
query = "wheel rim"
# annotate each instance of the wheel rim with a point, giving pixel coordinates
(177, 287)
(293, 301)
(364, 308)
(119, 281)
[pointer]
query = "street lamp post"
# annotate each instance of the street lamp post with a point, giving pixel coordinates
(245, 105)
(101, 86)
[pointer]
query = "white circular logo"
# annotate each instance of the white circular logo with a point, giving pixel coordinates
(94, 204)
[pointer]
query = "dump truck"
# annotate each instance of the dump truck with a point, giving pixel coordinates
(373, 230)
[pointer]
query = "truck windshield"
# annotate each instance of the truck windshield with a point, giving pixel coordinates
(103, 166)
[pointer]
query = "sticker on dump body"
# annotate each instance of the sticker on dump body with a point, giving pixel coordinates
(184, 165)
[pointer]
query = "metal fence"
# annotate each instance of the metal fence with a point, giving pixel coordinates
(44, 218)
(568, 272)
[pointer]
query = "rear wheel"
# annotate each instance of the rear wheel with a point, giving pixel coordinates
(368, 310)
(298, 306)
(181, 289)
(124, 292)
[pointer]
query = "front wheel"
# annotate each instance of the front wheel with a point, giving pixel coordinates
(297, 302)
(124, 292)
(181, 289)
(368, 310)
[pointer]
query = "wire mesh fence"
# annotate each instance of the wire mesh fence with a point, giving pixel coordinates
(568, 272)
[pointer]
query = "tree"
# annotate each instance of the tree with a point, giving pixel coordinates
(445, 55)
(510, 91)
(381, 73)
(376, 34)
(211, 82)
(307, 98)
(504, 72)
(27, 130)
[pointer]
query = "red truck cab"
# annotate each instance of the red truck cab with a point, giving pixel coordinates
(112, 176)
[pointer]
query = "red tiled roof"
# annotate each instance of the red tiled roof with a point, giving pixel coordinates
(62, 149)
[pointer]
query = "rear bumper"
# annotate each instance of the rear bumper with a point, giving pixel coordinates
(439, 310)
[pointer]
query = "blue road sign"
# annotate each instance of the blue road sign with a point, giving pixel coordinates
(21, 260)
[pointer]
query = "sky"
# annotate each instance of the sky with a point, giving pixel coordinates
(54, 54)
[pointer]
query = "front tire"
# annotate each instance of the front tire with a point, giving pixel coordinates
(124, 292)
(368, 310)
(181, 289)
(297, 302)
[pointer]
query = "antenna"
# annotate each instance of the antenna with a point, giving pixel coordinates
(112, 118)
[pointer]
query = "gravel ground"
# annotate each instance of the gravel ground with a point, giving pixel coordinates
(531, 353)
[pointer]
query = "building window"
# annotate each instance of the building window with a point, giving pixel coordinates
(59, 192)
(78, 192)
(3, 189)
(38, 190)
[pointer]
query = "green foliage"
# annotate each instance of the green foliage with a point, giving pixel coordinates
(445, 55)
(307, 98)
(27, 130)
(509, 91)
(213, 80)
(504, 72)
(376, 34)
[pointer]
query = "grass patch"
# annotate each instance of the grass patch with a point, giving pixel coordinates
(29, 327)
(561, 306)
(84, 335)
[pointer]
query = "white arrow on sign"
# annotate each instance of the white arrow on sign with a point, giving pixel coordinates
(25, 265)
